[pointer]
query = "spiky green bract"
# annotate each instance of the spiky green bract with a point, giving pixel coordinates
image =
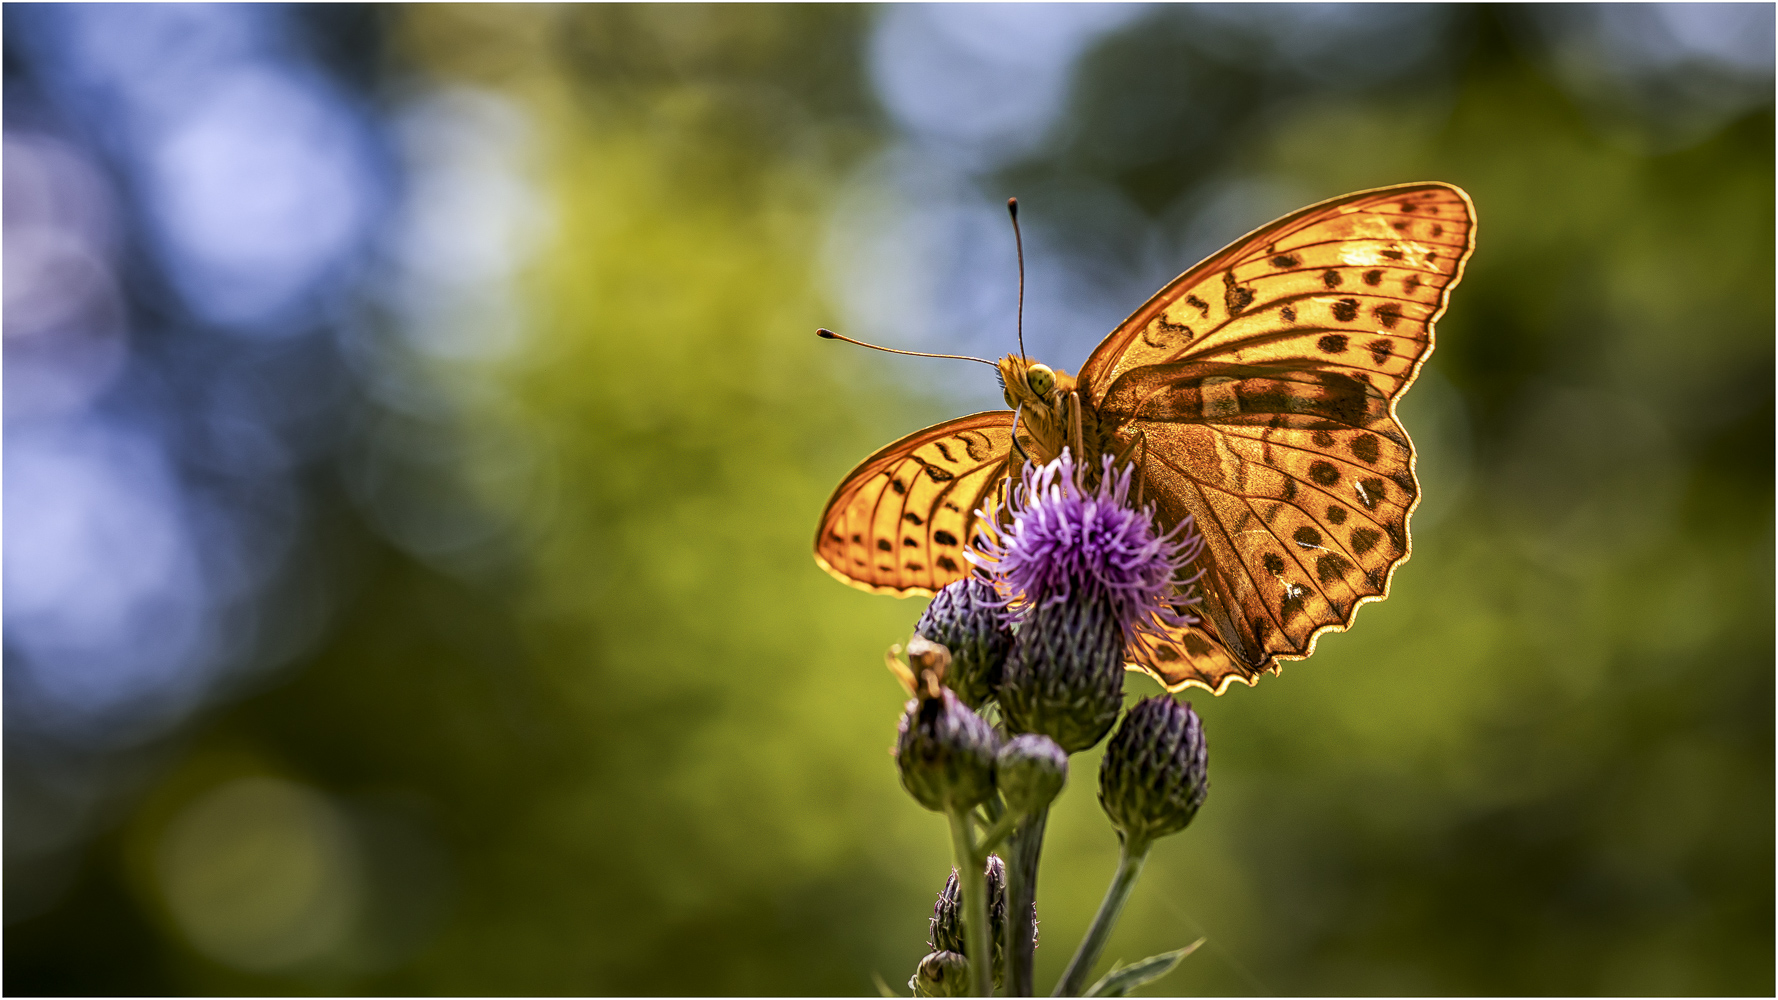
(971, 620)
(1065, 677)
(1156, 770)
(946, 753)
(1030, 772)
(946, 925)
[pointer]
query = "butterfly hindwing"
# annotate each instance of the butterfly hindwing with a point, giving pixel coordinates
(1263, 384)
(898, 523)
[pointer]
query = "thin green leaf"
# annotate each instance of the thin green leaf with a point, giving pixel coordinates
(1120, 981)
(883, 989)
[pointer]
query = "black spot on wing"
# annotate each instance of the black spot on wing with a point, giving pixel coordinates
(1370, 493)
(1331, 567)
(1274, 563)
(1346, 310)
(1292, 605)
(1307, 537)
(943, 537)
(1235, 297)
(1380, 349)
(1333, 343)
(1365, 447)
(1330, 278)
(1336, 514)
(1324, 474)
(1373, 277)
(937, 474)
(883, 544)
(1364, 539)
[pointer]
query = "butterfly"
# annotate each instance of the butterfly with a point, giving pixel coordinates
(1255, 393)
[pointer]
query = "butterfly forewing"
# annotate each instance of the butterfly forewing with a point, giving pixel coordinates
(1263, 383)
(899, 522)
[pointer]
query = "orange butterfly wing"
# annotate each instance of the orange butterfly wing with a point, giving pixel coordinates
(898, 523)
(1264, 384)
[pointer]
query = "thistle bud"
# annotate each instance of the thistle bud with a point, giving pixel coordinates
(946, 753)
(1156, 770)
(970, 619)
(1030, 772)
(947, 917)
(941, 974)
(1065, 677)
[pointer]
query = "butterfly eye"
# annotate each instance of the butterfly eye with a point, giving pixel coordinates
(1041, 378)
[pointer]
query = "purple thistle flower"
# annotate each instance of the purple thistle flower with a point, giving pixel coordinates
(1070, 542)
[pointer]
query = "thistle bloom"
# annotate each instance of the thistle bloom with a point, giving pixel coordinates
(1068, 541)
(1093, 575)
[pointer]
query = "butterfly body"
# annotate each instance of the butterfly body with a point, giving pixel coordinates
(1256, 394)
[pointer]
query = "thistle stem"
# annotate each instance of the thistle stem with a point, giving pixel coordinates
(1021, 899)
(1129, 865)
(972, 881)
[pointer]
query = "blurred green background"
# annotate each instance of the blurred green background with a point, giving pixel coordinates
(568, 708)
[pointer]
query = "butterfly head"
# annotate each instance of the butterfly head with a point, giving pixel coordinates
(1032, 385)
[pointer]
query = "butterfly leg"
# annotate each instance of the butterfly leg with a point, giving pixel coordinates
(1071, 405)
(1016, 446)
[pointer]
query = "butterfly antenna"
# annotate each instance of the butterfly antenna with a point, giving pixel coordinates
(1012, 209)
(827, 334)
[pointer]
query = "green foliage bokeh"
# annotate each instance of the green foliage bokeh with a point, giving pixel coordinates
(653, 738)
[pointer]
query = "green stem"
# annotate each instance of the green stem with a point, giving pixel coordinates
(993, 835)
(1021, 897)
(1129, 865)
(972, 881)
